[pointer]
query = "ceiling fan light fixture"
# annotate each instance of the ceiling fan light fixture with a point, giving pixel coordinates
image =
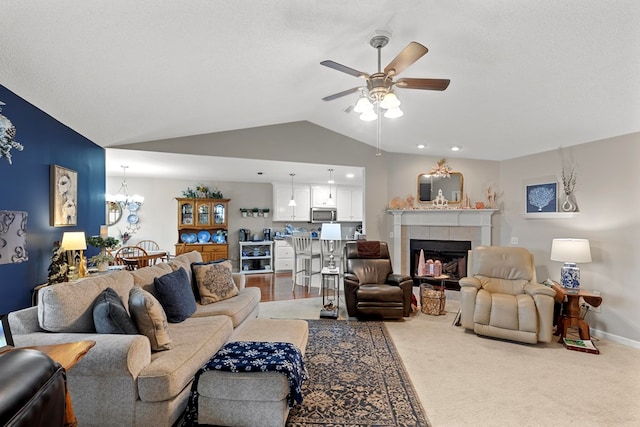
(363, 105)
(393, 113)
(368, 116)
(390, 101)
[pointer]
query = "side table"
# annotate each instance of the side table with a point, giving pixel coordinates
(432, 299)
(571, 312)
(330, 281)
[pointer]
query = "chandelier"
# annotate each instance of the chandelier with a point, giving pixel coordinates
(123, 198)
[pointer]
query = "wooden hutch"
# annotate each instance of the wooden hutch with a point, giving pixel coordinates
(197, 215)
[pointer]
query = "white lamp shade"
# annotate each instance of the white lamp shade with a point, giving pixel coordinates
(363, 105)
(368, 116)
(393, 113)
(74, 241)
(570, 250)
(292, 203)
(330, 232)
(390, 100)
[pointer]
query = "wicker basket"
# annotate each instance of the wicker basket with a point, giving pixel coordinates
(432, 300)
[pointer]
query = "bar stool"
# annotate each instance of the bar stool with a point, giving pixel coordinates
(303, 252)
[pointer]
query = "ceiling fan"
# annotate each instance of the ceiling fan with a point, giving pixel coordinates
(379, 85)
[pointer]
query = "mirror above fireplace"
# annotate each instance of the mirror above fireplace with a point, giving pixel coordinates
(429, 185)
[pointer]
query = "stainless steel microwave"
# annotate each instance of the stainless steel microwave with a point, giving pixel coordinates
(324, 215)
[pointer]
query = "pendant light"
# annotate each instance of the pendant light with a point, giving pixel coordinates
(292, 202)
(331, 201)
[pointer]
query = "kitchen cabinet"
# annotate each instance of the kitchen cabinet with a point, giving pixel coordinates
(320, 196)
(256, 257)
(284, 256)
(349, 204)
(281, 209)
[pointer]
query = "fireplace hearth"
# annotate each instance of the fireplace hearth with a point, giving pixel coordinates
(451, 253)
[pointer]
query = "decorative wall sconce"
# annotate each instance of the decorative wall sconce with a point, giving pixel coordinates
(13, 237)
(7, 135)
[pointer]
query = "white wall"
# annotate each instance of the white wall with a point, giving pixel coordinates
(608, 196)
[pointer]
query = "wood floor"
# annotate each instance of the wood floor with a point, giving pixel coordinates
(277, 287)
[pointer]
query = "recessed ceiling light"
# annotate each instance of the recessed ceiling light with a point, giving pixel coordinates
(350, 175)
(420, 146)
(455, 148)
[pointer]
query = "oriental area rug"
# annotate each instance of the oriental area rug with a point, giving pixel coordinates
(356, 379)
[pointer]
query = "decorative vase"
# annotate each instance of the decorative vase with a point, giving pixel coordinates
(567, 205)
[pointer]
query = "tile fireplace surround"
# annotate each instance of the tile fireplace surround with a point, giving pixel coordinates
(438, 224)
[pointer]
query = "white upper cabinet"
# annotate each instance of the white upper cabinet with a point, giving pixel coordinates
(349, 204)
(281, 197)
(320, 196)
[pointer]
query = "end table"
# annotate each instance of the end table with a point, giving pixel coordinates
(330, 279)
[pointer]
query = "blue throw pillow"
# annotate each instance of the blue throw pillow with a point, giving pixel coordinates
(174, 293)
(110, 316)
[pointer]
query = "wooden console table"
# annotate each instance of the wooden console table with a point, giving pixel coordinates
(571, 317)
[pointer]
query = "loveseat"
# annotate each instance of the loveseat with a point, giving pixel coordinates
(122, 381)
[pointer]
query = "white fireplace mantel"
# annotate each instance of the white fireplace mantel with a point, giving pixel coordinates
(440, 218)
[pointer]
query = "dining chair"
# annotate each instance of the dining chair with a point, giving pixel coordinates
(304, 255)
(133, 257)
(151, 246)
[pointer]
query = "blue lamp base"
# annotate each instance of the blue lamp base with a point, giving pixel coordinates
(570, 275)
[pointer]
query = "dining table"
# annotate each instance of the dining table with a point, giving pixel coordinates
(134, 262)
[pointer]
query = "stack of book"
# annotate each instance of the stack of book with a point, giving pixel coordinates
(581, 345)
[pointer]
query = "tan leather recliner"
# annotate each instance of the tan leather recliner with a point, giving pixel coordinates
(501, 297)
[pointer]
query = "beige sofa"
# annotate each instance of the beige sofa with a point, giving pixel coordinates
(121, 382)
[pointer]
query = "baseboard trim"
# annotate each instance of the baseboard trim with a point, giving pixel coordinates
(615, 338)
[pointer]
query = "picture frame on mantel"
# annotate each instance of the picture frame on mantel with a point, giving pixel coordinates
(541, 197)
(63, 196)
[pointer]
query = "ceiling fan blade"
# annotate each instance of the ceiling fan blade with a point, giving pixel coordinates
(426, 84)
(339, 94)
(406, 57)
(344, 68)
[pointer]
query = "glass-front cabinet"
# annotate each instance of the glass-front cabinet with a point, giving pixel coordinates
(185, 213)
(202, 227)
(204, 218)
(220, 214)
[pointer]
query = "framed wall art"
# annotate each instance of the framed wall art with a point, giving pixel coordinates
(541, 197)
(64, 196)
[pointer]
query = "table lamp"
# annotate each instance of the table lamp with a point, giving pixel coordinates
(570, 251)
(72, 242)
(331, 232)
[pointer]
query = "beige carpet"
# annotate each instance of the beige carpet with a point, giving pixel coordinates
(466, 380)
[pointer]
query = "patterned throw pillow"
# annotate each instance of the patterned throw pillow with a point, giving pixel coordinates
(110, 316)
(150, 318)
(174, 293)
(215, 282)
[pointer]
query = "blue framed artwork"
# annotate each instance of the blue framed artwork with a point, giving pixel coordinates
(541, 197)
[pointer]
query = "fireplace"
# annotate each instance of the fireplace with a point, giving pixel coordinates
(451, 253)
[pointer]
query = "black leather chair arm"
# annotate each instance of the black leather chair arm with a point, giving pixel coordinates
(32, 389)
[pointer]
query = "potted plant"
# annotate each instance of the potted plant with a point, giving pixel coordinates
(103, 259)
(265, 212)
(243, 211)
(255, 211)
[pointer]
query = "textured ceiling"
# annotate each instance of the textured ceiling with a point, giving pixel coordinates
(526, 76)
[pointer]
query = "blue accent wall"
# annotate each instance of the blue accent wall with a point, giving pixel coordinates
(24, 186)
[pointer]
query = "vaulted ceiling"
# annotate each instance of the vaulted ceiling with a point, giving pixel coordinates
(526, 76)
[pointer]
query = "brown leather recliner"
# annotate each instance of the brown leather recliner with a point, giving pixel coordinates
(371, 290)
(32, 390)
